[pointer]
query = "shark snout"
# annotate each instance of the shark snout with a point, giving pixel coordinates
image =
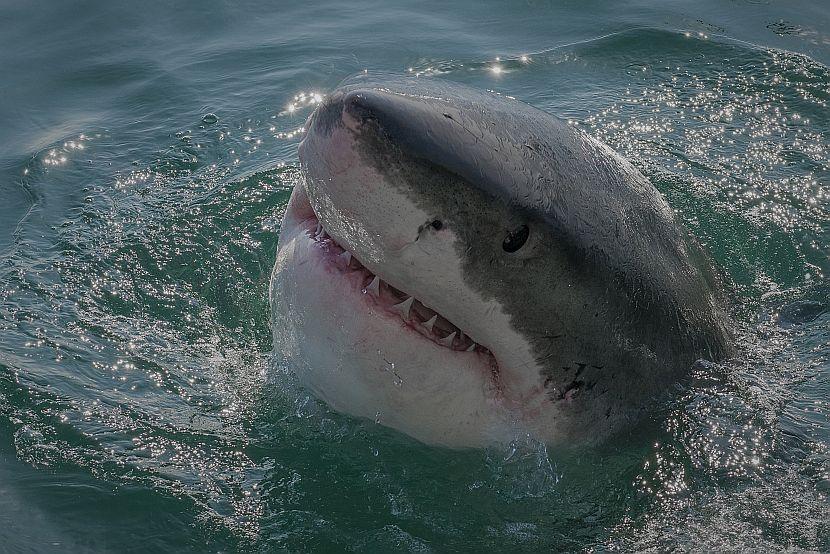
(364, 109)
(358, 105)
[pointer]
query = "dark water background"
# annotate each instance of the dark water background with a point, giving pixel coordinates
(140, 409)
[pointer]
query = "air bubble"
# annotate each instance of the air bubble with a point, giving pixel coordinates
(209, 119)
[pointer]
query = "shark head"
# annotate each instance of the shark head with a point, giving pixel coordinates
(463, 267)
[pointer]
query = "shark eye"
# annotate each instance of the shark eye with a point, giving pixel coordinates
(437, 225)
(516, 238)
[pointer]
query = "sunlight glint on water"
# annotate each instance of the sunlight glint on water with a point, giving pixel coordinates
(144, 184)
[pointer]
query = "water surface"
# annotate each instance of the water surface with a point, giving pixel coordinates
(147, 154)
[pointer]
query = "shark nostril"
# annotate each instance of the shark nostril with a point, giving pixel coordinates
(357, 106)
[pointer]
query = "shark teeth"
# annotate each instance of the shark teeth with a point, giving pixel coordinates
(447, 341)
(373, 288)
(404, 307)
(420, 317)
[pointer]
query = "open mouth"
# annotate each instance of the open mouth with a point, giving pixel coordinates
(413, 313)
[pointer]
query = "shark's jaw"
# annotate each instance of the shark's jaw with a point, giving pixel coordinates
(405, 312)
(372, 349)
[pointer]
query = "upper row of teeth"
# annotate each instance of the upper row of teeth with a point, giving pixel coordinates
(402, 308)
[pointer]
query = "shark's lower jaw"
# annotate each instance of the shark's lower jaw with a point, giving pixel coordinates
(395, 304)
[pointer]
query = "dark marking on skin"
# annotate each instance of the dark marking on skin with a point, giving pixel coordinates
(436, 224)
(574, 385)
(549, 377)
(556, 395)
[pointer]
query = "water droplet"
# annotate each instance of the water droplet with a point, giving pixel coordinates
(377, 417)
(209, 119)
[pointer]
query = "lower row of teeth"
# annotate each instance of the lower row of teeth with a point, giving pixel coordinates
(409, 309)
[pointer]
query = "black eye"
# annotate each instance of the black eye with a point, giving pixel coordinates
(436, 224)
(516, 238)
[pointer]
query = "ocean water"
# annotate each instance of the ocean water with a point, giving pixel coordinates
(147, 152)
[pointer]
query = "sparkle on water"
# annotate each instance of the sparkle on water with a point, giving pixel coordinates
(135, 342)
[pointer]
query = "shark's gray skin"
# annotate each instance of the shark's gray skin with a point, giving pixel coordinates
(574, 294)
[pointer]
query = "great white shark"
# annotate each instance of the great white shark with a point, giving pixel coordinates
(465, 268)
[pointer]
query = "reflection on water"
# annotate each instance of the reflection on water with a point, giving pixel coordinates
(135, 367)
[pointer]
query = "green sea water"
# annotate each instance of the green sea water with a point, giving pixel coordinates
(147, 152)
